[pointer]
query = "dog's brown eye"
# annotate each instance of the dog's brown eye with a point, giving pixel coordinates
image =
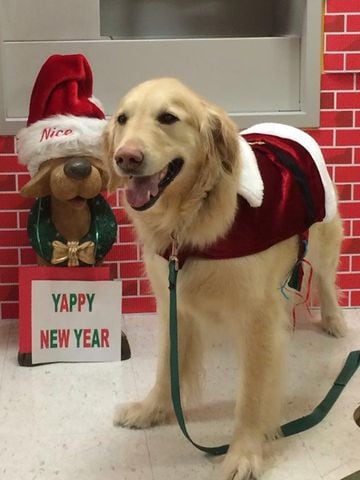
(122, 119)
(167, 118)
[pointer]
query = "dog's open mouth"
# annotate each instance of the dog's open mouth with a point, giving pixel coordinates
(78, 202)
(143, 192)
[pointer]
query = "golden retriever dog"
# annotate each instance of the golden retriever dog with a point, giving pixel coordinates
(180, 159)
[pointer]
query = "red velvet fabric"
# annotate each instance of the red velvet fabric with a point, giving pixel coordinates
(284, 211)
(63, 86)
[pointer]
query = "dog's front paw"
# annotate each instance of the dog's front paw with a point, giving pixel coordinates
(143, 414)
(241, 465)
(334, 325)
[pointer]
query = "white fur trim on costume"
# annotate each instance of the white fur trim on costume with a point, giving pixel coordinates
(304, 139)
(59, 136)
(251, 186)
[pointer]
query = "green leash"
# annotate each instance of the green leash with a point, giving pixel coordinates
(353, 476)
(296, 426)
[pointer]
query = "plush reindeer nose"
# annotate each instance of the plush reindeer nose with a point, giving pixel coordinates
(129, 159)
(77, 168)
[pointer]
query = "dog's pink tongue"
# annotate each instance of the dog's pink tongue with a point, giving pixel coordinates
(140, 188)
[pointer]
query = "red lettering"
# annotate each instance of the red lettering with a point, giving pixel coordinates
(45, 134)
(64, 307)
(86, 336)
(44, 338)
(51, 132)
(81, 300)
(105, 337)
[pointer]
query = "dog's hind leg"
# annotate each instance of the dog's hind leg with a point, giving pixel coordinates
(325, 244)
(156, 408)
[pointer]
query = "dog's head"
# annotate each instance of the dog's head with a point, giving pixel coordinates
(165, 139)
(73, 180)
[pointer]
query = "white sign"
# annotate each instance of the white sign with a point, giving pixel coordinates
(75, 321)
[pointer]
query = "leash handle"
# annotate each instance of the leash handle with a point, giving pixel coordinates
(291, 428)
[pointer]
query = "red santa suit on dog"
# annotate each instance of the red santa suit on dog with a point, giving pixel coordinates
(284, 188)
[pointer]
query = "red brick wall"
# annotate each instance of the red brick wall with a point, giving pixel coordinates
(339, 136)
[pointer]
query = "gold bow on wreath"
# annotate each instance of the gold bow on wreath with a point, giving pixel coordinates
(73, 252)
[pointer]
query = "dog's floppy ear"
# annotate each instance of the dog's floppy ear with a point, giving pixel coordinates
(39, 184)
(221, 137)
(114, 180)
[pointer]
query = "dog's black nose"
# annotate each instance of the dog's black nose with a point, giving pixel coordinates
(77, 168)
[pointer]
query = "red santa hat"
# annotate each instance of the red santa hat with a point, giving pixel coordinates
(64, 119)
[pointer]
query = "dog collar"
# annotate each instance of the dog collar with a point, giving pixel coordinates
(100, 237)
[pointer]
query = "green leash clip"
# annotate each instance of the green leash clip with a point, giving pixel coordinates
(291, 428)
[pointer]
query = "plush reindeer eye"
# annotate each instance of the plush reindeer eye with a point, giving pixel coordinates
(122, 119)
(167, 118)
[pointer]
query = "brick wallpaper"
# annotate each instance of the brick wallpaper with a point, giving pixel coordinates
(339, 137)
(339, 134)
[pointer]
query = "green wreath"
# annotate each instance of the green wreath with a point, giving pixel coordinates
(43, 234)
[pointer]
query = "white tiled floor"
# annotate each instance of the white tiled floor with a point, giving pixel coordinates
(56, 420)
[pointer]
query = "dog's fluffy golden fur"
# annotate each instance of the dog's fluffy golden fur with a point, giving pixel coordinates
(239, 296)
